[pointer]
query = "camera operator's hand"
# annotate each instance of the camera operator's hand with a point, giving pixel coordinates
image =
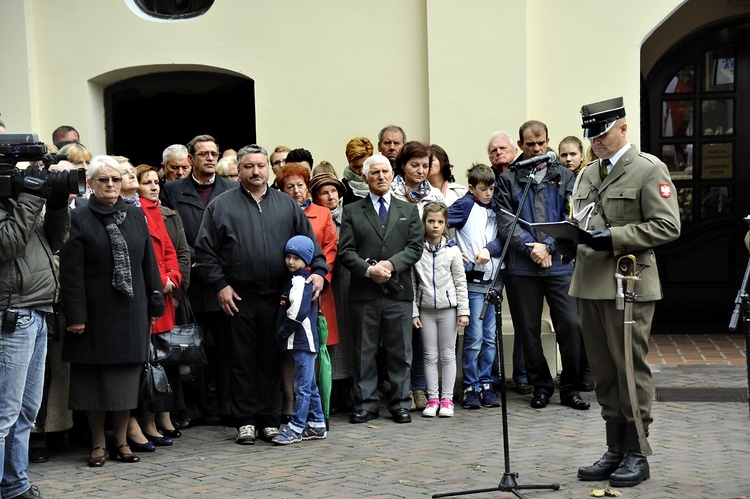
(57, 201)
(601, 240)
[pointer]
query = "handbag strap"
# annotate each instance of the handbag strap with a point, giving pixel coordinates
(186, 303)
(153, 355)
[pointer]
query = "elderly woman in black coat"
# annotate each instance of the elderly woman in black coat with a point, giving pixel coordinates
(111, 291)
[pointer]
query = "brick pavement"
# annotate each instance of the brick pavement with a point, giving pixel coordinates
(700, 451)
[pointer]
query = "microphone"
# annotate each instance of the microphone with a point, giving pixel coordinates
(544, 158)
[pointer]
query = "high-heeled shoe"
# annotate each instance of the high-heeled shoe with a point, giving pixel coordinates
(160, 441)
(116, 453)
(170, 433)
(145, 447)
(97, 462)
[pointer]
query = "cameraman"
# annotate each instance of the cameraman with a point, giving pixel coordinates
(28, 288)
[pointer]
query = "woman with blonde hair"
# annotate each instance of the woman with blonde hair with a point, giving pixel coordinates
(227, 168)
(77, 154)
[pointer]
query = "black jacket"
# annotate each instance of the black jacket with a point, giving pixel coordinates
(182, 196)
(117, 326)
(241, 242)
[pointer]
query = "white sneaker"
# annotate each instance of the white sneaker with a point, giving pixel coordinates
(246, 435)
(446, 408)
(431, 409)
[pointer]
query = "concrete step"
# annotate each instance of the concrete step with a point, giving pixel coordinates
(694, 383)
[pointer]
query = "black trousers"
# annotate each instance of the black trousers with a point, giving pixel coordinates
(253, 361)
(202, 394)
(526, 295)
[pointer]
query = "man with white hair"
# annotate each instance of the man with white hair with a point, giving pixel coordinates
(380, 241)
(501, 151)
(175, 163)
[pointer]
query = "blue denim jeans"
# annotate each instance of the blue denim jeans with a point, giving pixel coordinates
(307, 404)
(22, 356)
(479, 343)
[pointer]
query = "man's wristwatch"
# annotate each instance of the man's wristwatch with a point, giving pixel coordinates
(549, 248)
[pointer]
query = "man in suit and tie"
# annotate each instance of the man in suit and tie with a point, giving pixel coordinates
(380, 241)
(189, 197)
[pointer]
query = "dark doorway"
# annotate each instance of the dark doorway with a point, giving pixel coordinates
(697, 122)
(147, 113)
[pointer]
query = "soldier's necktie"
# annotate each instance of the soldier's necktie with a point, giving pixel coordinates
(603, 168)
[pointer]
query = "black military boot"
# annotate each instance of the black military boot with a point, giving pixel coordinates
(634, 467)
(610, 461)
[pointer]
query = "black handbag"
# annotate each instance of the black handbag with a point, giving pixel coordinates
(154, 382)
(183, 345)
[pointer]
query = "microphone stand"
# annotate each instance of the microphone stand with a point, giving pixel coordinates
(508, 483)
(742, 311)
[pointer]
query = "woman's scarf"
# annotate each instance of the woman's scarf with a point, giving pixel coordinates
(413, 195)
(336, 214)
(356, 184)
(134, 201)
(112, 217)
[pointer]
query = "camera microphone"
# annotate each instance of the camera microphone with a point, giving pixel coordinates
(550, 157)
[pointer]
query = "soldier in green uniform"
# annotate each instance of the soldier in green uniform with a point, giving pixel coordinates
(627, 200)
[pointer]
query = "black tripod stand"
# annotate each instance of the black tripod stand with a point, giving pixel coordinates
(494, 296)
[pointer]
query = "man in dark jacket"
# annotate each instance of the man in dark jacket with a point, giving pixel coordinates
(188, 197)
(239, 253)
(381, 240)
(28, 288)
(535, 269)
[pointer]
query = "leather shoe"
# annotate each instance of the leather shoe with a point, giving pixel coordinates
(523, 388)
(182, 423)
(588, 384)
(401, 416)
(633, 470)
(136, 447)
(575, 402)
(170, 433)
(604, 467)
(362, 416)
(160, 441)
(38, 455)
(540, 400)
(97, 462)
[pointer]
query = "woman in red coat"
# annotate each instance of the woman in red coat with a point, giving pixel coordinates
(294, 179)
(155, 422)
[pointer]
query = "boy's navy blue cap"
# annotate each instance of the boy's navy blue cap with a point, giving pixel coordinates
(302, 246)
(599, 117)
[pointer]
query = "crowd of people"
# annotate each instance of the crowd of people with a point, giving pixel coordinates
(395, 255)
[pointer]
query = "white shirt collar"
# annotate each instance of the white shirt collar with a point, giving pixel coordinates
(386, 197)
(616, 156)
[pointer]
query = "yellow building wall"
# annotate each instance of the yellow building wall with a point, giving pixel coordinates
(449, 72)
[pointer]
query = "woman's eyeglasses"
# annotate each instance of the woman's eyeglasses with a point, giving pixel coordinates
(106, 180)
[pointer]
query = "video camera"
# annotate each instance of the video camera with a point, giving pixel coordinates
(35, 179)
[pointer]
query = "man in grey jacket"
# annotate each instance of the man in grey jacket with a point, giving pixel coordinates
(28, 288)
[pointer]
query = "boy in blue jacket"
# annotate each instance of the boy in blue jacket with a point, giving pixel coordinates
(475, 222)
(298, 336)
